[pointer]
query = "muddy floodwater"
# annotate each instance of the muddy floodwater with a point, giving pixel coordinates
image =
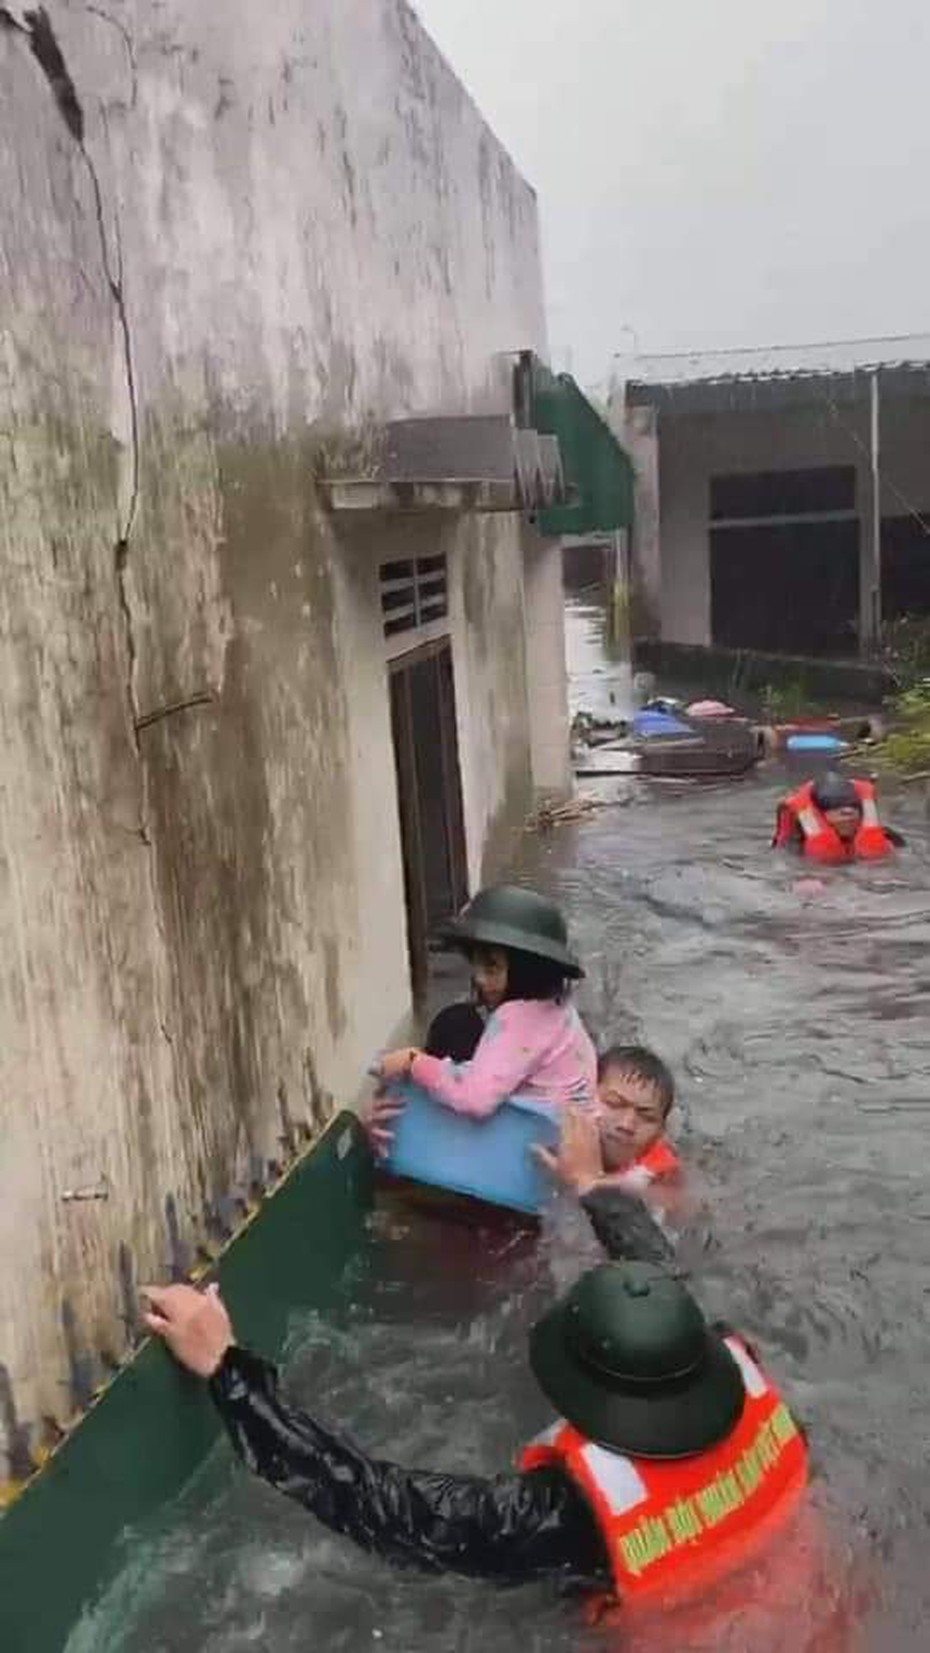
(795, 1015)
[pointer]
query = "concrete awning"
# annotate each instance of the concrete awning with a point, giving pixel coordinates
(471, 462)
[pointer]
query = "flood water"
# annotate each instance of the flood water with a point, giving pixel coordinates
(796, 1020)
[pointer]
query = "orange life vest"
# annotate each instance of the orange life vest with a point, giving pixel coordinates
(821, 841)
(657, 1162)
(674, 1528)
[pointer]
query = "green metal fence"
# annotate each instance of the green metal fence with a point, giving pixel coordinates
(153, 1425)
(597, 468)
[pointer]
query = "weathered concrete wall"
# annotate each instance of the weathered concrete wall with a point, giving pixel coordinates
(545, 663)
(488, 562)
(493, 717)
(223, 231)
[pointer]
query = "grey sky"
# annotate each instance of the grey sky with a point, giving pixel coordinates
(712, 172)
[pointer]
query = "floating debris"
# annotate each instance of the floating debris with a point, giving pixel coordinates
(551, 815)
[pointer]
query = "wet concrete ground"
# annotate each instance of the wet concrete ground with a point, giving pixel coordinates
(796, 1019)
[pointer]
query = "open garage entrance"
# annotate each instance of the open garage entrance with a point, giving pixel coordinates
(784, 561)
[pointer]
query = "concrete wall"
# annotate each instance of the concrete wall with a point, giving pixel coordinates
(225, 231)
(693, 449)
(490, 562)
(905, 455)
(546, 674)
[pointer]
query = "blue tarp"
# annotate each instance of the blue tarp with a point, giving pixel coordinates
(647, 724)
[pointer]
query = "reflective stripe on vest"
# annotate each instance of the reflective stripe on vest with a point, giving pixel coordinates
(812, 822)
(822, 842)
(673, 1527)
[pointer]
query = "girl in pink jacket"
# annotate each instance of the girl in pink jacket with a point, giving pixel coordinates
(534, 1043)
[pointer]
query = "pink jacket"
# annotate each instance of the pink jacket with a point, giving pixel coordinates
(530, 1047)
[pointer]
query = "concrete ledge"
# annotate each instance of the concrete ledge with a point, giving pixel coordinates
(457, 497)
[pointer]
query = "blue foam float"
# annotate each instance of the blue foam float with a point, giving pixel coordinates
(816, 742)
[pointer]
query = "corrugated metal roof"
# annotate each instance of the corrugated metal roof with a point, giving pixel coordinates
(778, 360)
(775, 374)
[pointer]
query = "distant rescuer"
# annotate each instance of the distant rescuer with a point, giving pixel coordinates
(673, 1466)
(834, 819)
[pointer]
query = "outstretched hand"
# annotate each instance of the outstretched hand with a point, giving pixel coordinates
(577, 1163)
(378, 1121)
(194, 1324)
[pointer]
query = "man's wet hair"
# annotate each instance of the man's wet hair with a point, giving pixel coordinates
(642, 1064)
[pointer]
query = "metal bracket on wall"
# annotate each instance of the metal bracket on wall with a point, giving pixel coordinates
(75, 1196)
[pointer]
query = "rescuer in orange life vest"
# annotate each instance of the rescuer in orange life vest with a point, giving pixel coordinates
(834, 819)
(674, 1462)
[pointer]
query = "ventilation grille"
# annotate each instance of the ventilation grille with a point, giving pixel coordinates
(413, 594)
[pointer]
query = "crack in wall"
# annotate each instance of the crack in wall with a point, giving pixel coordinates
(37, 28)
(114, 22)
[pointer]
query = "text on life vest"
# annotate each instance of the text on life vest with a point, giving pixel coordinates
(685, 1519)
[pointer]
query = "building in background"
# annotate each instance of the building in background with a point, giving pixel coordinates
(782, 497)
(282, 476)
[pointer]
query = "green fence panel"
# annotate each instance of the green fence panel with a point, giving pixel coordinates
(151, 1428)
(597, 468)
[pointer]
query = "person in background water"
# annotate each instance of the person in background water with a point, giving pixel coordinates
(834, 819)
(635, 1094)
(534, 1043)
(674, 1460)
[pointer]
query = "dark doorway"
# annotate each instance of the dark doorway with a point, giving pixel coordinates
(784, 560)
(584, 565)
(789, 588)
(429, 791)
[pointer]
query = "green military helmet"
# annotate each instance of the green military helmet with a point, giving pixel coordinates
(509, 916)
(628, 1358)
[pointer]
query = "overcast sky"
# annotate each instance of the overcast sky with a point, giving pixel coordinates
(712, 172)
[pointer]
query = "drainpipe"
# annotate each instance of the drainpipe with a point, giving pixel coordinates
(872, 629)
(618, 623)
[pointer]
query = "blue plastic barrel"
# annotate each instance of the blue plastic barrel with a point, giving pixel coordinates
(489, 1158)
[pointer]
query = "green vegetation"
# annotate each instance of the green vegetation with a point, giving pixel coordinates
(906, 652)
(780, 702)
(907, 748)
(906, 648)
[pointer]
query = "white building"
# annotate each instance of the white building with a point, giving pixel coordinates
(782, 496)
(282, 672)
